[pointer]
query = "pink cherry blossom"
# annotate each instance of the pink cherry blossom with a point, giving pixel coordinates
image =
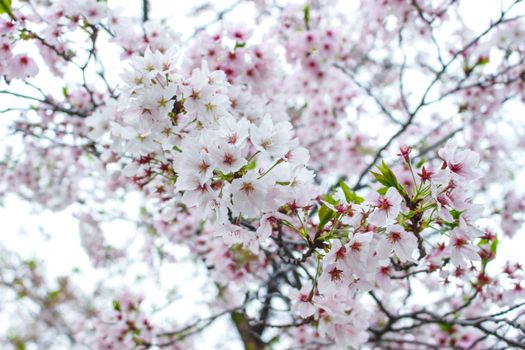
(386, 207)
(22, 66)
(396, 239)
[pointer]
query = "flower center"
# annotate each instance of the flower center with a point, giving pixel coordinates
(335, 274)
(394, 237)
(247, 187)
(383, 204)
(228, 159)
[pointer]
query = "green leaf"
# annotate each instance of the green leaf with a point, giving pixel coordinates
(455, 214)
(379, 177)
(493, 249)
(482, 61)
(446, 327)
(53, 296)
(351, 196)
(239, 44)
(31, 263)
(482, 242)
(306, 16)
(25, 35)
(251, 165)
(329, 199)
(237, 317)
(494, 246)
(382, 191)
(386, 177)
(467, 69)
(5, 7)
(275, 340)
(410, 214)
(325, 215)
(116, 305)
(346, 190)
(18, 343)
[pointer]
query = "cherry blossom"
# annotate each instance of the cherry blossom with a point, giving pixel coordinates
(386, 207)
(397, 239)
(22, 66)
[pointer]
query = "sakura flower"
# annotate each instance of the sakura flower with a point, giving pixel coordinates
(403, 243)
(195, 192)
(275, 140)
(248, 195)
(299, 182)
(297, 156)
(99, 122)
(383, 274)
(386, 207)
(353, 213)
(234, 234)
(302, 300)
(205, 95)
(22, 66)
(5, 49)
(94, 11)
(149, 65)
(135, 142)
(265, 225)
(233, 132)
(239, 32)
(216, 211)
(461, 249)
(194, 159)
(7, 26)
(343, 321)
(337, 253)
(443, 206)
(149, 107)
(333, 278)
(358, 248)
(462, 163)
(349, 335)
(227, 158)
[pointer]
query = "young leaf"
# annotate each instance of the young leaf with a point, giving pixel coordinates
(382, 191)
(351, 196)
(116, 305)
(494, 246)
(306, 16)
(5, 7)
(325, 215)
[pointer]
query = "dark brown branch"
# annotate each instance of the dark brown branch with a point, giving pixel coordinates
(145, 10)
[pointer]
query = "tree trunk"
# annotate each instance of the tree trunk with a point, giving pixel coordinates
(249, 337)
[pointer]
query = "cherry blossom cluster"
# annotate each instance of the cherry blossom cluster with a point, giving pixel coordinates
(127, 327)
(46, 176)
(372, 238)
(229, 166)
(14, 66)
